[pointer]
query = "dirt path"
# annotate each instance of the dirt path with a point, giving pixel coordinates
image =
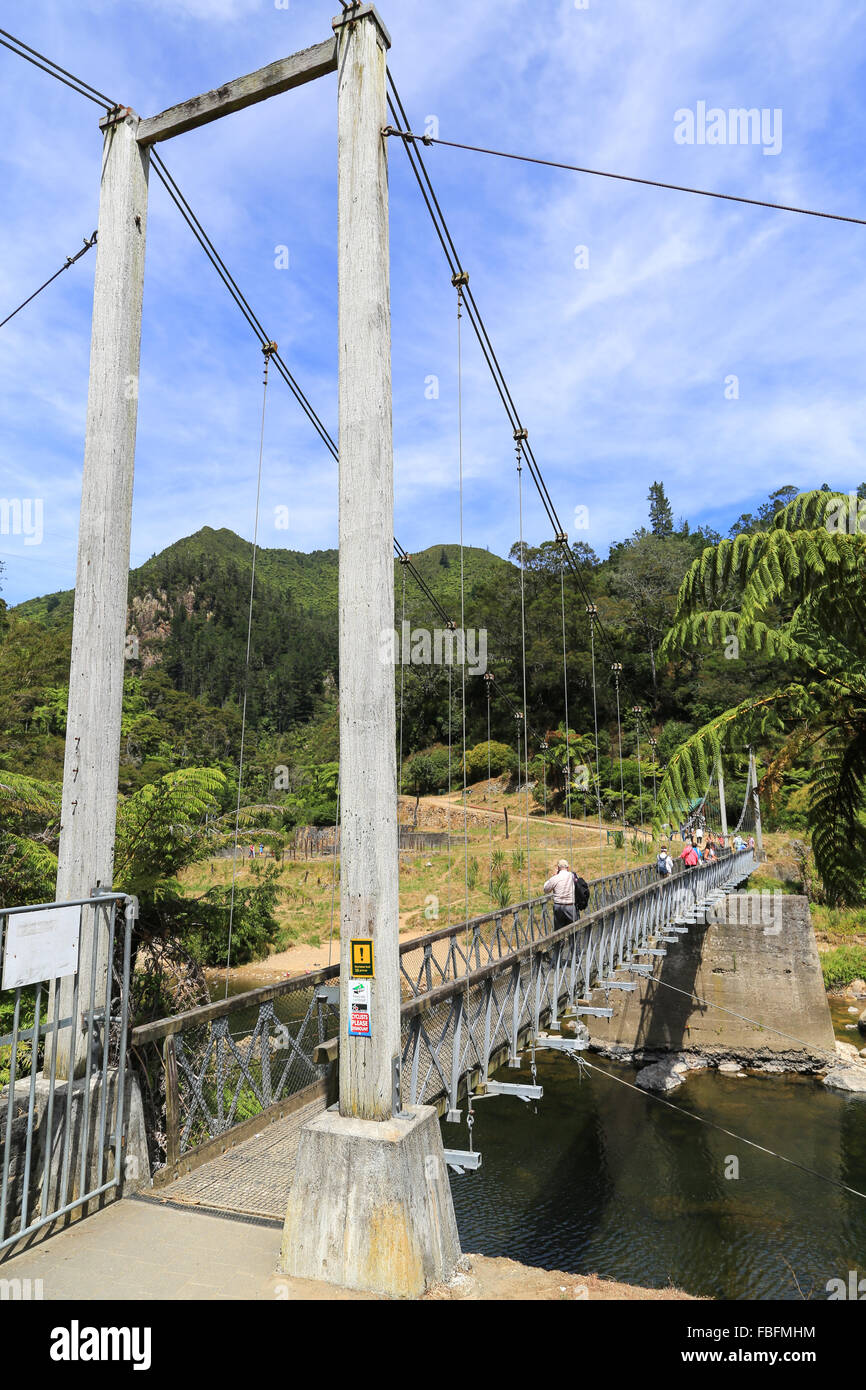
(455, 804)
(485, 814)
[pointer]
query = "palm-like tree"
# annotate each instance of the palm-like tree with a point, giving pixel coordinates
(160, 829)
(794, 592)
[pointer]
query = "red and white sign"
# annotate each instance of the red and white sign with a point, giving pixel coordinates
(359, 1008)
(359, 1023)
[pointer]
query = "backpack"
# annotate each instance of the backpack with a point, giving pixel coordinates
(581, 892)
(662, 862)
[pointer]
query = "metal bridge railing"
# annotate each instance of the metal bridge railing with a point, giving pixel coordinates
(463, 1028)
(220, 1068)
(455, 951)
(61, 1142)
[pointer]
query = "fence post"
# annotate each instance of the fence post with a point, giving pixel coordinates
(172, 1103)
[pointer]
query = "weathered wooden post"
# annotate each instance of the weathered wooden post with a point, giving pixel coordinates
(371, 1205)
(368, 764)
(89, 806)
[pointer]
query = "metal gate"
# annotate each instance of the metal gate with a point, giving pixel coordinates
(61, 1142)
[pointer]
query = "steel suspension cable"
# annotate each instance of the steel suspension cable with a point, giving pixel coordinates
(617, 670)
(711, 1124)
(459, 286)
(520, 437)
(568, 786)
(452, 256)
(334, 873)
(70, 261)
(402, 673)
(488, 681)
(448, 801)
(53, 69)
(636, 711)
(31, 55)
(407, 135)
(592, 614)
(267, 355)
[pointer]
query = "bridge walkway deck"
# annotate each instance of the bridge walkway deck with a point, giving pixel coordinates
(252, 1179)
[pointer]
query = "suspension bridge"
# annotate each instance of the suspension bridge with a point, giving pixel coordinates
(280, 1103)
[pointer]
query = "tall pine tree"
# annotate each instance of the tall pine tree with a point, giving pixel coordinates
(661, 516)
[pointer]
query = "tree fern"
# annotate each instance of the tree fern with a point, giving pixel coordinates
(792, 592)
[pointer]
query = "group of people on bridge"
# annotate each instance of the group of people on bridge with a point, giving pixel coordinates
(571, 892)
(697, 852)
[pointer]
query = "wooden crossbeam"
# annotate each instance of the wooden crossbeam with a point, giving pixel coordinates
(277, 77)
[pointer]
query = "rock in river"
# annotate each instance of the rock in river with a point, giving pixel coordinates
(847, 1079)
(662, 1076)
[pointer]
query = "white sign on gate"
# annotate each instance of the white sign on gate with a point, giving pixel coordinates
(41, 946)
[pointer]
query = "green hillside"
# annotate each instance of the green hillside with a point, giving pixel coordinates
(188, 610)
(309, 581)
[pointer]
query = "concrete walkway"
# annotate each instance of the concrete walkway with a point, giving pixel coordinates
(143, 1251)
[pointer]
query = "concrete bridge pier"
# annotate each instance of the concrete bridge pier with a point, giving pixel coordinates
(370, 1207)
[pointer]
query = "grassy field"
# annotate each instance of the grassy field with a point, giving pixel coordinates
(433, 889)
(433, 886)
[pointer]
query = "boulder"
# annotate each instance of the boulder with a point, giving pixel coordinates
(856, 989)
(861, 1022)
(661, 1076)
(730, 1067)
(847, 1079)
(846, 1050)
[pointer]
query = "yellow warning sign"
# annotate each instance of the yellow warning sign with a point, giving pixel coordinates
(362, 957)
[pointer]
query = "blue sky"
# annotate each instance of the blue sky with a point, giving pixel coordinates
(618, 367)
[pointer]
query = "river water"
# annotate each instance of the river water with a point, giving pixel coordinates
(596, 1178)
(599, 1179)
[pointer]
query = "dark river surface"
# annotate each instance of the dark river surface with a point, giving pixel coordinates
(599, 1179)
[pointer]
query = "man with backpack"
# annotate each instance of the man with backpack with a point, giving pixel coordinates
(664, 863)
(570, 894)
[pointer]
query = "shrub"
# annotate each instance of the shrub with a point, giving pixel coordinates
(426, 772)
(843, 965)
(502, 759)
(500, 889)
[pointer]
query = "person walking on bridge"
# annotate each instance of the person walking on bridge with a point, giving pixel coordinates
(561, 885)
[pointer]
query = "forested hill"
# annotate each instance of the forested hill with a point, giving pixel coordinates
(188, 610)
(309, 581)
